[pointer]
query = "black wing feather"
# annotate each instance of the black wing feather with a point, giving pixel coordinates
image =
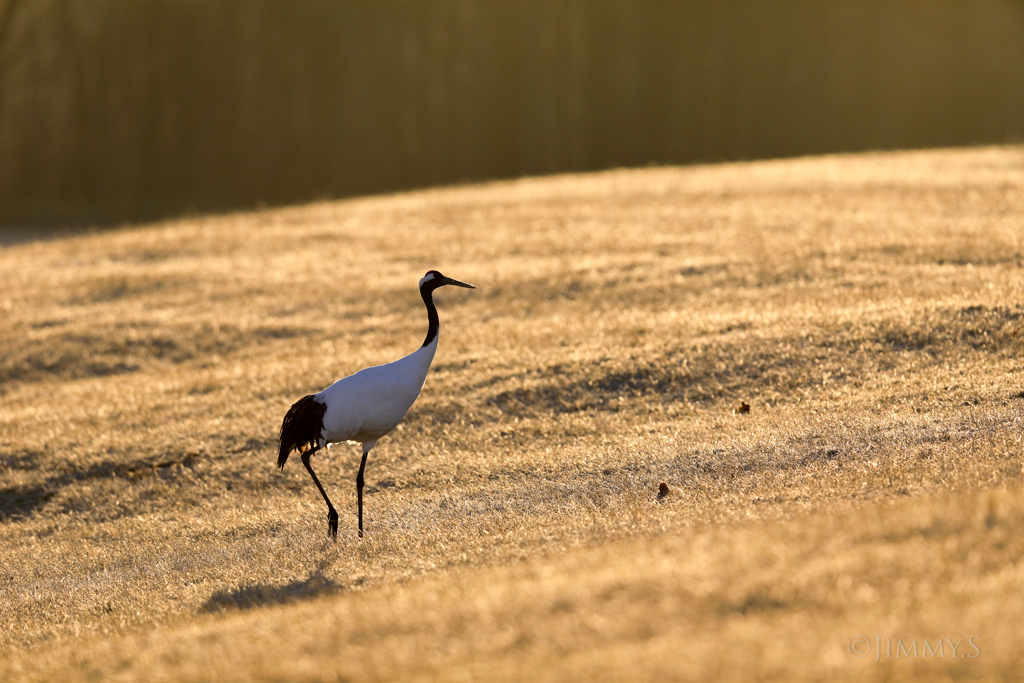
(302, 427)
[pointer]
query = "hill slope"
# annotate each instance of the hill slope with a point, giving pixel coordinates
(866, 308)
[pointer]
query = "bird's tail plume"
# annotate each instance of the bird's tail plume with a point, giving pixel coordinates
(302, 427)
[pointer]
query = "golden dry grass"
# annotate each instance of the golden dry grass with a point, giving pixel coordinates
(866, 307)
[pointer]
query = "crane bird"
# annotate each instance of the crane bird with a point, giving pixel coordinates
(362, 407)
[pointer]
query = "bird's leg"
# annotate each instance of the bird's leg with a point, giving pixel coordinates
(359, 488)
(332, 514)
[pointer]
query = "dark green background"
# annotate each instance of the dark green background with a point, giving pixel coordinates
(126, 109)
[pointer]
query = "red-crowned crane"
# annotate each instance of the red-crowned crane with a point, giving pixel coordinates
(362, 407)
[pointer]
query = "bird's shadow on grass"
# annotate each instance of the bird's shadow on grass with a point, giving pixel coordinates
(262, 595)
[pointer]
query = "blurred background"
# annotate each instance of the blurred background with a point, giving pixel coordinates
(117, 110)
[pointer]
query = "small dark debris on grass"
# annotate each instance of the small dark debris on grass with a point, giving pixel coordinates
(662, 490)
(742, 409)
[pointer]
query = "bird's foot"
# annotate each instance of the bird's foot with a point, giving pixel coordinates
(332, 523)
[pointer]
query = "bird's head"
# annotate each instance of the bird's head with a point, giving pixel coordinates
(433, 279)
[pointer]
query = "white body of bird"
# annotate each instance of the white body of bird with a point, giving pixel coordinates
(365, 406)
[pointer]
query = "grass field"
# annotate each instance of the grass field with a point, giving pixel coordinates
(867, 308)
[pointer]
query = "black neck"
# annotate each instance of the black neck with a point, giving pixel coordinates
(427, 292)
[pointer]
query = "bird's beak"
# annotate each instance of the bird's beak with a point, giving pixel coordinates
(450, 281)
